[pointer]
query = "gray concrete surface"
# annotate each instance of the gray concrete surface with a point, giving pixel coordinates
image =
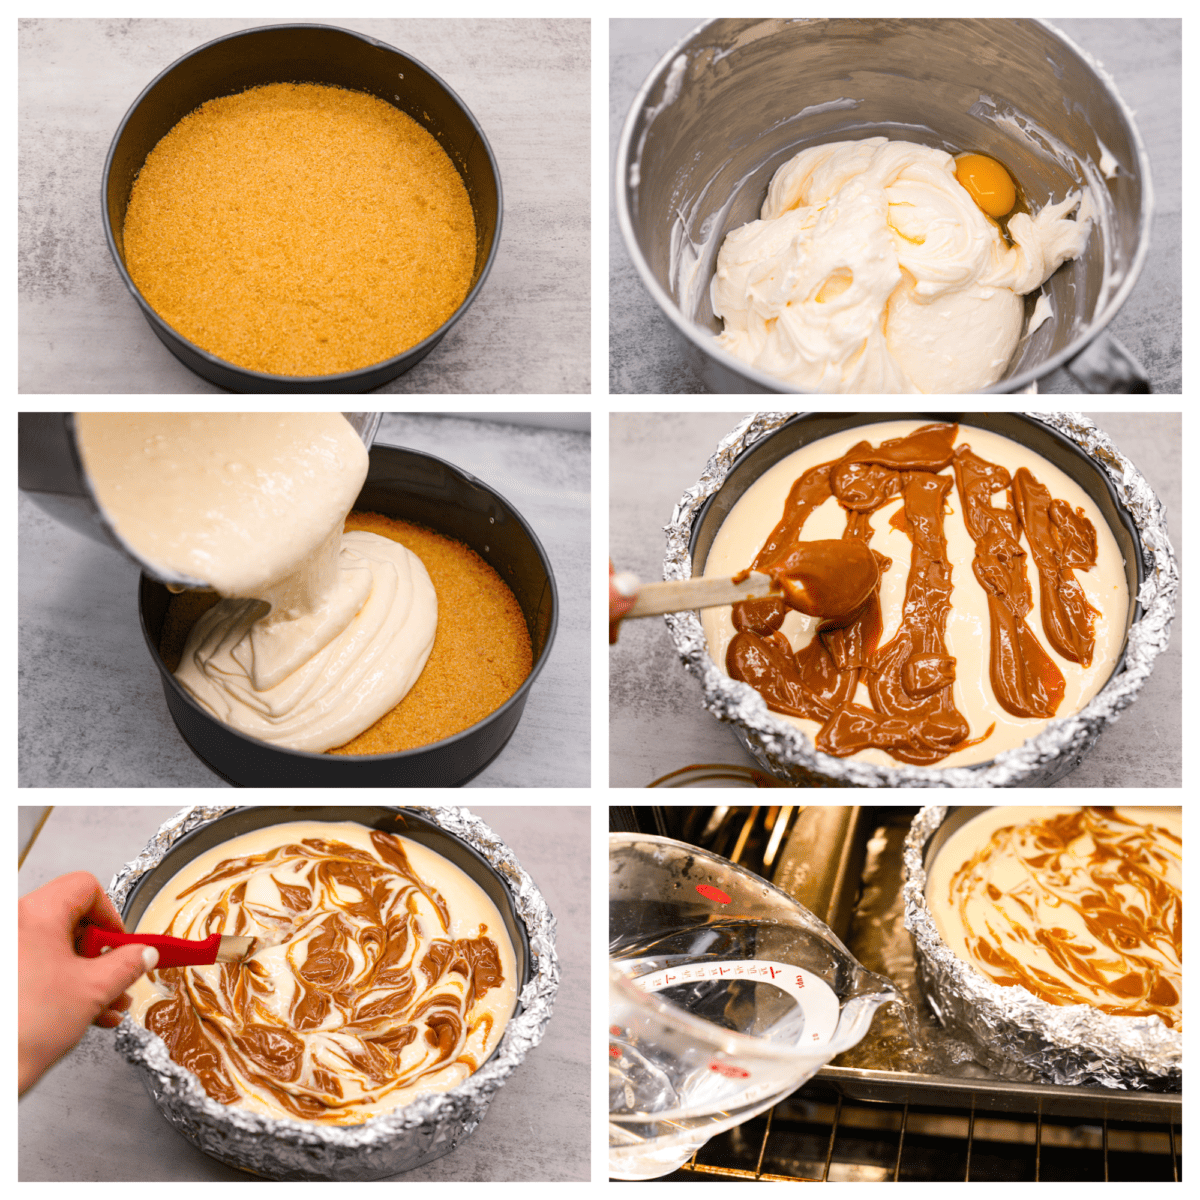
(90, 1119)
(528, 82)
(656, 720)
(1143, 55)
(91, 709)
(29, 817)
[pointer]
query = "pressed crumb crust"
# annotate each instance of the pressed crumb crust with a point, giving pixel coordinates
(481, 652)
(300, 229)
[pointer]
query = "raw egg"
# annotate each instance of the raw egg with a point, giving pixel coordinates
(987, 181)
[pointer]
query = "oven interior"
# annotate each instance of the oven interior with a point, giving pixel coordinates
(856, 1122)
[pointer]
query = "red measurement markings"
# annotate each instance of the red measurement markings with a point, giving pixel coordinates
(728, 1070)
(712, 893)
(614, 1052)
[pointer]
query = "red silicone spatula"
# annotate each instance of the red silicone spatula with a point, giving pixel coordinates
(172, 951)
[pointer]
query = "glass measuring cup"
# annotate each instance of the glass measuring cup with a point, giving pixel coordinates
(725, 995)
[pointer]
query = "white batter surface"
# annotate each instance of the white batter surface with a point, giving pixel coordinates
(968, 628)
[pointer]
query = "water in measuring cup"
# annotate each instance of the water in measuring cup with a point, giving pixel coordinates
(732, 974)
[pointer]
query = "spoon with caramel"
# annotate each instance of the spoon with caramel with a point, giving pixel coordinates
(831, 580)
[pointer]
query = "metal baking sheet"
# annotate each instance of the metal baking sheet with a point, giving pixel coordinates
(885, 1066)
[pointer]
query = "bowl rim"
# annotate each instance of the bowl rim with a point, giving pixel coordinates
(516, 699)
(340, 379)
(704, 341)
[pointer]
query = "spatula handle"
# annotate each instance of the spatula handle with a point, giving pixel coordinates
(704, 591)
(172, 951)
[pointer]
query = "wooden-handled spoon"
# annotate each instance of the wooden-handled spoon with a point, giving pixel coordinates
(705, 591)
(826, 579)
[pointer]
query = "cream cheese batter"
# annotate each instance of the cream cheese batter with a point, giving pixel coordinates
(318, 635)
(387, 972)
(873, 270)
(753, 517)
(1079, 906)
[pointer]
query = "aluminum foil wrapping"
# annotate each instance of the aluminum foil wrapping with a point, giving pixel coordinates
(789, 754)
(1017, 1035)
(427, 1128)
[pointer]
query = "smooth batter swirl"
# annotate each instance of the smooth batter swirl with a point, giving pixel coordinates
(376, 986)
(872, 269)
(1079, 907)
(318, 635)
(313, 675)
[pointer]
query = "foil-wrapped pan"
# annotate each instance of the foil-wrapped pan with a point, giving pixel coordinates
(1011, 1031)
(789, 754)
(427, 1128)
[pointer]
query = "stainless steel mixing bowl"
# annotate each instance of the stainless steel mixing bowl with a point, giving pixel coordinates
(50, 471)
(733, 101)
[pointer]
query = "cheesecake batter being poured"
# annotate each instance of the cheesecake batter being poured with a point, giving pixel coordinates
(880, 266)
(1076, 905)
(320, 633)
(956, 656)
(384, 972)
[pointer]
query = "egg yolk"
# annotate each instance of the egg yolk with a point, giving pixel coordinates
(989, 184)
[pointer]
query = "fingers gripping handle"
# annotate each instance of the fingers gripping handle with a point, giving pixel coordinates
(172, 952)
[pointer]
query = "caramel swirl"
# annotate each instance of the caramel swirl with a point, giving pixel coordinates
(910, 681)
(870, 487)
(1082, 906)
(376, 984)
(1063, 541)
(1024, 677)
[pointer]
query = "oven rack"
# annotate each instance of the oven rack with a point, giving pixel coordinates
(819, 1135)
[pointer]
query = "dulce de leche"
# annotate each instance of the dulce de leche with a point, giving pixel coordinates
(1001, 603)
(383, 972)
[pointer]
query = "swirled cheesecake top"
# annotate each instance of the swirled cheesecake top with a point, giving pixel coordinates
(1077, 905)
(382, 972)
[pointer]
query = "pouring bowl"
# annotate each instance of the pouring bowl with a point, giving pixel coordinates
(50, 471)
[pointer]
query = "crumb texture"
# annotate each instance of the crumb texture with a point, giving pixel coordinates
(481, 653)
(301, 229)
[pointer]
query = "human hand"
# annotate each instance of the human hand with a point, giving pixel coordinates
(60, 993)
(622, 592)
